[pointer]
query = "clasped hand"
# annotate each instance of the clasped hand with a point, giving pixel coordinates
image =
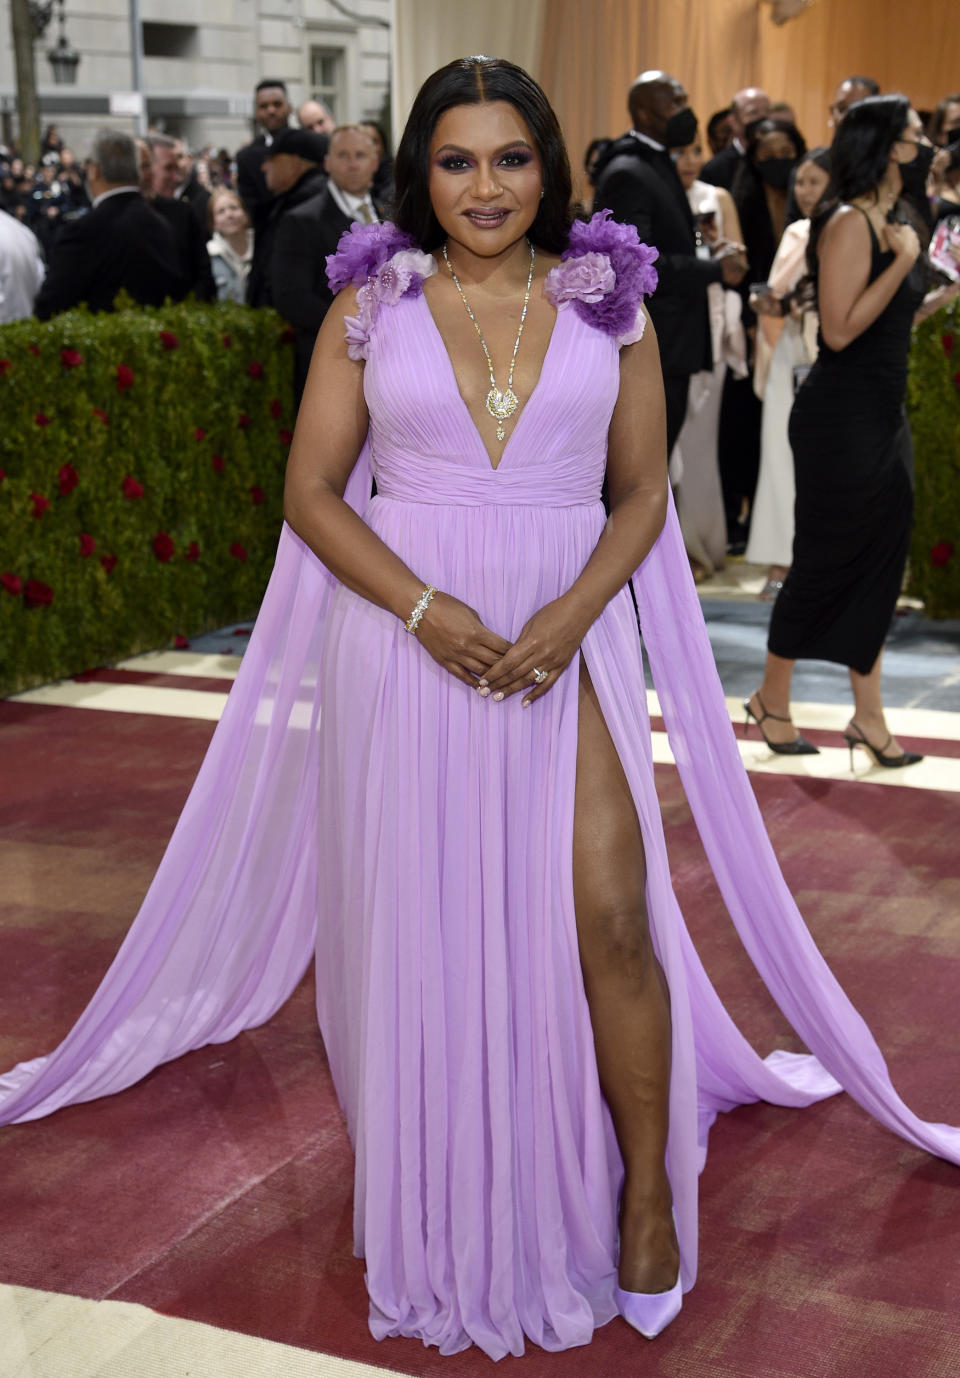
(457, 639)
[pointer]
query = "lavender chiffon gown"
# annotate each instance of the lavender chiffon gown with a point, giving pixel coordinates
(436, 829)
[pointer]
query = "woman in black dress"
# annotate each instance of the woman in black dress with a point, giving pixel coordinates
(851, 443)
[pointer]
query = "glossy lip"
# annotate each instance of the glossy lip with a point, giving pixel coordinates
(484, 219)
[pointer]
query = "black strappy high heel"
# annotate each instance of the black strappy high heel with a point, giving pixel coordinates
(798, 747)
(854, 736)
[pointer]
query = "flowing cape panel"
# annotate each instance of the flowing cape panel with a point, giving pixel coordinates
(228, 925)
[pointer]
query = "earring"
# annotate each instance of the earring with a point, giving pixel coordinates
(541, 193)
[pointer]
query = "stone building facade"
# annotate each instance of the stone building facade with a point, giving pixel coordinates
(201, 62)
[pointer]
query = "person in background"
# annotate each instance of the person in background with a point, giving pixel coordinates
(848, 92)
(694, 466)
(230, 245)
(943, 126)
(849, 433)
(193, 185)
(293, 169)
(190, 236)
(783, 110)
(22, 269)
(637, 181)
(719, 132)
(314, 116)
(748, 106)
(945, 181)
(121, 243)
(786, 347)
(596, 149)
(382, 187)
(311, 230)
(760, 193)
(272, 113)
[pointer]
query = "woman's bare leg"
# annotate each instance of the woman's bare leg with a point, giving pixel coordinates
(868, 710)
(775, 695)
(627, 995)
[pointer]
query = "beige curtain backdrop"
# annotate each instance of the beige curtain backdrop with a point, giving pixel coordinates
(429, 33)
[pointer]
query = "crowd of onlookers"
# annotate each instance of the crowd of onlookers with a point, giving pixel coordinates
(736, 321)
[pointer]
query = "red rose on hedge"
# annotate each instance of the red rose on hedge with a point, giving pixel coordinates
(98, 411)
(34, 350)
(257, 495)
(87, 544)
(12, 583)
(70, 358)
(132, 489)
(243, 421)
(109, 563)
(276, 409)
(217, 464)
(255, 370)
(37, 595)
(941, 554)
(40, 504)
(124, 377)
(42, 419)
(67, 479)
(237, 551)
(5, 366)
(227, 342)
(947, 342)
(163, 547)
(169, 340)
(180, 643)
(192, 551)
(199, 434)
(3, 474)
(285, 436)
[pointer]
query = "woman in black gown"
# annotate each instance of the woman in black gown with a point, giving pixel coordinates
(851, 443)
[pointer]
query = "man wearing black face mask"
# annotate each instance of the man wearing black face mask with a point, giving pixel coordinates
(637, 181)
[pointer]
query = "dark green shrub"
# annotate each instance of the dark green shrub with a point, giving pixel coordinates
(933, 402)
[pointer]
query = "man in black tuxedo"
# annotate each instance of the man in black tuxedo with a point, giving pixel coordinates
(272, 112)
(748, 106)
(637, 181)
(307, 234)
(293, 172)
(159, 188)
(121, 243)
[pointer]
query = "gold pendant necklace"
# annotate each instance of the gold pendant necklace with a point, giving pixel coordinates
(500, 404)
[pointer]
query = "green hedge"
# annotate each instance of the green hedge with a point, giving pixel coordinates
(142, 457)
(933, 401)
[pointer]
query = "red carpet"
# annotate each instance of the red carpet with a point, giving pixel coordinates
(220, 1188)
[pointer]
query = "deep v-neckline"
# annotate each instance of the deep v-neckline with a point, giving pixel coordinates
(474, 428)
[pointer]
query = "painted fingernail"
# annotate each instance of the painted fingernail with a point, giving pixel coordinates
(484, 693)
(526, 703)
(498, 696)
(482, 683)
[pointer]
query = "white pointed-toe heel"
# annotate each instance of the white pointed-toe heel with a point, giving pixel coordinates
(650, 1312)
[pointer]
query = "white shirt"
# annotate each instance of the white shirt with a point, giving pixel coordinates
(114, 191)
(21, 269)
(646, 139)
(350, 204)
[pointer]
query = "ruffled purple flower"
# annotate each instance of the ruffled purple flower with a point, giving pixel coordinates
(615, 311)
(362, 251)
(587, 277)
(401, 275)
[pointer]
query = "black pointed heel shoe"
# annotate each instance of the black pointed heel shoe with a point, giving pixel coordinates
(854, 736)
(798, 747)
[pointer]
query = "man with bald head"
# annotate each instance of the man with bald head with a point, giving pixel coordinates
(636, 179)
(748, 106)
(315, 116)
(849, 91)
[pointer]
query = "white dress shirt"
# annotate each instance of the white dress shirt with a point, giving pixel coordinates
(350, 204)
(21, 269)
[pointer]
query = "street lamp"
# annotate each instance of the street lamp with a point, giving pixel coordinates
(62, 58)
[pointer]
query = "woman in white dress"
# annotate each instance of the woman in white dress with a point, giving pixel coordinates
(694, 467)
(786, 347)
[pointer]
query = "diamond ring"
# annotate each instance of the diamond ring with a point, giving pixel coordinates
(539, 675)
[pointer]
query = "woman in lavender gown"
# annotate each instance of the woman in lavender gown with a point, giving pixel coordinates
(435, 766)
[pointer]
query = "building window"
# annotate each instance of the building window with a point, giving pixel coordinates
(327, 80)
(169, 40)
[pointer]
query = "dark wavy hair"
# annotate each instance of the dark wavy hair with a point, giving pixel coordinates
(820, 157)
(750, 196)
(472, 81)
(858, 157)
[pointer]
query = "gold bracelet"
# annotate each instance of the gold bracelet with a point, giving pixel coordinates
(415, 618)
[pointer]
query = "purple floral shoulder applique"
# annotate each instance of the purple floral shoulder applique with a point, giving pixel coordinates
(605, 272)
(384, 264)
